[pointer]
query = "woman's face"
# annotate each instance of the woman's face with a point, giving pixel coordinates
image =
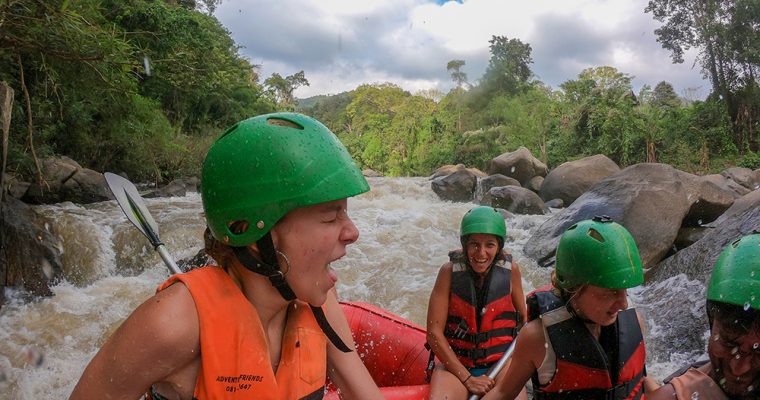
(600, 305)
(481, 251)
(312, 237)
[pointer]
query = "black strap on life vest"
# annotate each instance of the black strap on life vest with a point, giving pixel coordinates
(318, 394)
(477, 354)
(479, 337)
(619, 392)
(328, 330)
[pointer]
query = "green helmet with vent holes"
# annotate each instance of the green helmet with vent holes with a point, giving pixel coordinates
(598, 252)
(735, 279)
(483, 219)
(263, 167)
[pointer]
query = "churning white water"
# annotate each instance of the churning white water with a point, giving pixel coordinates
(405, 235)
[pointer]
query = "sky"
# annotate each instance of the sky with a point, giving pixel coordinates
(341, 44)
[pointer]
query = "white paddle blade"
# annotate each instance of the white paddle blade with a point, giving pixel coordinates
(132, 204)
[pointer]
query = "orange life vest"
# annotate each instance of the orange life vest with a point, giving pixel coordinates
(235, 360)
(480, 337)
(577, 365)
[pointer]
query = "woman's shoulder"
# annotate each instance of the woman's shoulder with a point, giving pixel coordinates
(170, 315)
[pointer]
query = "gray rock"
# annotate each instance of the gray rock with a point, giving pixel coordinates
(555, 203)
(515, 199)
(175, 188)
(571, 179)
(696, 261)
(650, 200)
(743, 176)
(491, 181)
(519, 164)
(730, 185)
(30, 256)
(459, 186)
(535, 184)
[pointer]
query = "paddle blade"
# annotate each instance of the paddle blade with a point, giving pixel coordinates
(134, 208)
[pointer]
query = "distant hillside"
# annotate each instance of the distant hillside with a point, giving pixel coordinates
(310, 102)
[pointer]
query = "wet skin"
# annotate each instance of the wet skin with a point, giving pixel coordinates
(599, 305)
(311, 238)
(736, 361)
(481, 251)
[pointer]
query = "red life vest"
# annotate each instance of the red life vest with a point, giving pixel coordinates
(480, 338)
(235, 361)
(577, 365)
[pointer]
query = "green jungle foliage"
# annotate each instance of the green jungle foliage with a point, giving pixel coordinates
(144, 87)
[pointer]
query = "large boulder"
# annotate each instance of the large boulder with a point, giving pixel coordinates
(515, 199)
(650, 200)
(458, 186)
(175, 188)
(30, 256)
(571, 179)
(86, 186)
(743, 176)
(450, 169)
(696, 261)
(721, 181)
(535, 183)
(492, 181)
(65, 180)
(519, 164)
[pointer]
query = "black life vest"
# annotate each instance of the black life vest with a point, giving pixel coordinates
(480, 338)
(577, 365)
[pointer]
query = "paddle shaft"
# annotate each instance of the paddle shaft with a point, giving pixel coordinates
(498, 366)
(168, 259)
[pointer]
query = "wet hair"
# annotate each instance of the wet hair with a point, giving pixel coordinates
(219, 251)
(562, 293)
(733, 318)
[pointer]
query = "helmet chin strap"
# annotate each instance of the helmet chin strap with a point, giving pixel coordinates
(270, 268)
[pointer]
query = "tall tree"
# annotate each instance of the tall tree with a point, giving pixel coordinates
(725, 32)
(457, 75)
(282, 88)
(509, 67)
(664, 96)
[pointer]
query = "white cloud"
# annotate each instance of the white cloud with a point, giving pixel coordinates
(341, 44)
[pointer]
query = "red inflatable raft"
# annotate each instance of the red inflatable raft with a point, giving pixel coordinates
(392, 348)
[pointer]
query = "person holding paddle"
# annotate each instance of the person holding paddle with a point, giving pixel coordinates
(475, 309)
(583, 341)
(265, 322)
(731, 369)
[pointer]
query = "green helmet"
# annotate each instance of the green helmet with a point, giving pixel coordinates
(736, 276)
(598, 252)
(263, 167)
(483, 219)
